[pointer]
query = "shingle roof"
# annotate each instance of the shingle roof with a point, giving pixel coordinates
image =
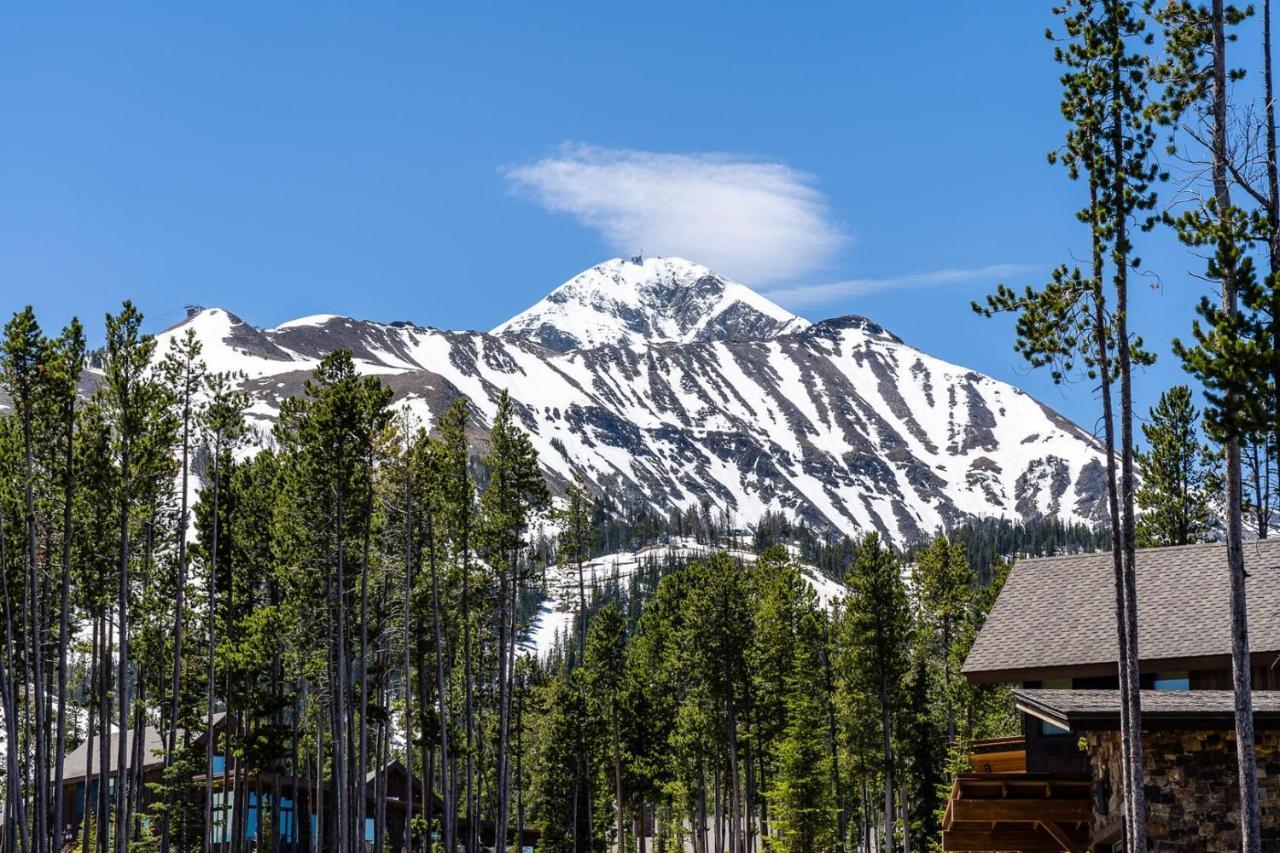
(1080, 710)
(1060, 611)
(76, 762)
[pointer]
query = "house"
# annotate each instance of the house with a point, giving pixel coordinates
(295, 803)
(1052, 636)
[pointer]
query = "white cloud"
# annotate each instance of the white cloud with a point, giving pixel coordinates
(803, 295)
(756, 221)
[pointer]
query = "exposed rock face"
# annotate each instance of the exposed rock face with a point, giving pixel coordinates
(706, 391)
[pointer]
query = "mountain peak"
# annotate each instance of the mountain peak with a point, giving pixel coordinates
(225, 340)
(625, 302)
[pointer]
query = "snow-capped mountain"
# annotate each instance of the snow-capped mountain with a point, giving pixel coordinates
(838, 422)
(646, 301)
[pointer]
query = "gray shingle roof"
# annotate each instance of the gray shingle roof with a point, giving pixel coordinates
(1060, 611)
(1081, 710)
(76, 762)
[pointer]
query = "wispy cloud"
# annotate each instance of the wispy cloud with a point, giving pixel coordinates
(756, 221)
(807, 295)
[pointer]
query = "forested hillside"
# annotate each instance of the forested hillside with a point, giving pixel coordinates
(359, 591)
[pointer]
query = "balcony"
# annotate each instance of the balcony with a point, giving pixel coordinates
(1001, 807)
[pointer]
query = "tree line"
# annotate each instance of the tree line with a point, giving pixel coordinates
(354, 590)
(737, 713)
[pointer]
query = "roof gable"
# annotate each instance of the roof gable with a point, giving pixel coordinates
(1059, 612)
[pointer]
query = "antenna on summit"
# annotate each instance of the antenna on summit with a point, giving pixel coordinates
(638, 259)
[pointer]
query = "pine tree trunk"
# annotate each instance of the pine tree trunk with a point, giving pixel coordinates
(408, 675)
(179, 616)
(341, 745)
(1129, 652)
(1242, 685)
(212, 598)
(15, 818)
(886, 745)
(1241, 676)
(36, 627)
(64, 620)
(617, 780)
(1102, 355)
(103, 827)
(1273, 243)
(504, 609)
(473, 829)
(88, 772)
(450, 819)
(126, 705)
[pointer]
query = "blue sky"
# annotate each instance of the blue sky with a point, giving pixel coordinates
(449, 164)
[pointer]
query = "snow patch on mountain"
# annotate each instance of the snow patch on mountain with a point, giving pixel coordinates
(554, 620)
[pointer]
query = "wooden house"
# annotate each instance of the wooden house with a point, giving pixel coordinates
(296, 804)
(1052, 635)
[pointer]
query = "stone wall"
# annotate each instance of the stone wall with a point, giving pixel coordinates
(1191, 785)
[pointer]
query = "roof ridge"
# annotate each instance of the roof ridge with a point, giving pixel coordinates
(1217, 543)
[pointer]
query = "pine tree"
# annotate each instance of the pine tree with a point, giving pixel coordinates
(184, 371)
(223, 424)
(458, 521)
(1179, 483)
(1230, 356)
(129, 393)
(876, 639)
(945, 586)
(24, 362)
(515, 489)
(801, 795)
(573, 547)
(69, 352)
(603, 670)
(1109, 100)
(557, 797)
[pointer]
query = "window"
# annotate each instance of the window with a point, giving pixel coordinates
(1172, 681)
(1046, 728)
(222, 816)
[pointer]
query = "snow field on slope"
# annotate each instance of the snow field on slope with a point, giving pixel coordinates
(556, 614)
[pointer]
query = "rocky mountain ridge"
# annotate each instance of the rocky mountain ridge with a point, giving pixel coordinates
(668, 386)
